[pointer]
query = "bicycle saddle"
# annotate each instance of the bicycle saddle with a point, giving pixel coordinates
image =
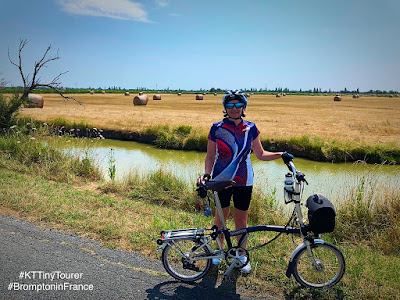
(217, 185)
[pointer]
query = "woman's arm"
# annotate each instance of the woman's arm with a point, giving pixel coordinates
(210, 157)
(261, 153)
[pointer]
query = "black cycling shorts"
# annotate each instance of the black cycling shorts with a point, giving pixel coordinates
(241, 197)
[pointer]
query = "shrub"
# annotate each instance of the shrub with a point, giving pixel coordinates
(9, 110)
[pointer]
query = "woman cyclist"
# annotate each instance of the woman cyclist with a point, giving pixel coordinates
(230, 142)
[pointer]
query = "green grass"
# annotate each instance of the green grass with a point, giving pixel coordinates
(318, 149)
(33, 154)
(61, 122)
(184, 137)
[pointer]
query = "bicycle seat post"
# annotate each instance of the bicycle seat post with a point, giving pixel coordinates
(219, 209)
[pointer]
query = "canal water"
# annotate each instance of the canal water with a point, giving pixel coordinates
(335, 181)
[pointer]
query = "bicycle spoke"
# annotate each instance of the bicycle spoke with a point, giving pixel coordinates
(325, 268)
(180, 263)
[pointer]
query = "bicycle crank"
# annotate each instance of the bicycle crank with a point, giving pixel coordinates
(236, 258)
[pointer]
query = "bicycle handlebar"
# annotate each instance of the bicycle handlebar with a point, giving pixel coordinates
(289, 163)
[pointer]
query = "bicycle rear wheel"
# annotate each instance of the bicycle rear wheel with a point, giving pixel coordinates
(328, 269)
(182, 259)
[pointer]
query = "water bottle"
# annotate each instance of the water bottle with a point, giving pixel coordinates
(288, 186)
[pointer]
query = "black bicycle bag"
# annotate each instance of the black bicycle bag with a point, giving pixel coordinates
(321, 214)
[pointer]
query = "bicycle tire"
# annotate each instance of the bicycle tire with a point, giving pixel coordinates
(329, 270)
(175, 255)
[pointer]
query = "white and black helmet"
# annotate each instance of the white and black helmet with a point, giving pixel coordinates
(234, 95)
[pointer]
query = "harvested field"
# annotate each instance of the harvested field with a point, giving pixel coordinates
(365, 120)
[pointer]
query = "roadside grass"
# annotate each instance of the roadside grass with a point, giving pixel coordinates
(133, 224)
(129, 214)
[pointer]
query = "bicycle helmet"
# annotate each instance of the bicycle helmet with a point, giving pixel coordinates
(234, 95)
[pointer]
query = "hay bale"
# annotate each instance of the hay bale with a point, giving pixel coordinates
(126, 93)
(278, 95)
(140, 100)
(179, 94)
(204, 93)
(199, 97)
(91, 92)
(356, 96)
(157, 97)
(390, 96)
(215, 94)
(140, 93)
(35, 101)
(103, 92)
(284, 94)
(337, 98)
(248, 95)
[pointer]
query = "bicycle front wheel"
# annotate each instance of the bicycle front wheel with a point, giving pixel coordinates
(324, 269)
(184, 260)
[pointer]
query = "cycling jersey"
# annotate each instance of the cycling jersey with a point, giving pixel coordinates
(232, 160)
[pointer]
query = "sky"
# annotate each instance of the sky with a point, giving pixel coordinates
(192, 45)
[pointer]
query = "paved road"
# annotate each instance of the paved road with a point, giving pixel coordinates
(77, 268)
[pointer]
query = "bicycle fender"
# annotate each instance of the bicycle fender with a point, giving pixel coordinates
(289, 270)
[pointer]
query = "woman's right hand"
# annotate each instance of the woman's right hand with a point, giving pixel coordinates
(204, 177)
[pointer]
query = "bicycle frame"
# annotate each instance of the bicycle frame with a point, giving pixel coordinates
(233, 255)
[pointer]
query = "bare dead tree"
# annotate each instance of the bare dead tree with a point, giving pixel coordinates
(3, 83)
(31, 84)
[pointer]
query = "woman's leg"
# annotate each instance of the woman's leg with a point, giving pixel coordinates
(241, 200)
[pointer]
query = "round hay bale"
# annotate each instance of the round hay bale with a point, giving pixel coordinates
(278, 95)
(35, 101)
(103, 92)
(91, 92)
(204, 93)
(157, 97)
(140, 100)
(284, 94)
(199, 97)
(126, 93)
(356, 96)
(337, 98)
(248, 95)
(390, 96)
(179, 94)
(215, 94)
(140, 93)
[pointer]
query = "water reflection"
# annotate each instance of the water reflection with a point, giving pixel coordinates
(333, 180)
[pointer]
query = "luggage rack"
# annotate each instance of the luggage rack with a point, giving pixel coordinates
(179, 234)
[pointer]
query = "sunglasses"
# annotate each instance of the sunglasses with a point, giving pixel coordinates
(237, 105)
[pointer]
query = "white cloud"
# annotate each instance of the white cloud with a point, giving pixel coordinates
(162, 3)
(174, 15)
(117, 9)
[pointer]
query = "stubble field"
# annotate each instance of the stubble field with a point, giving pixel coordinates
(366, 120)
